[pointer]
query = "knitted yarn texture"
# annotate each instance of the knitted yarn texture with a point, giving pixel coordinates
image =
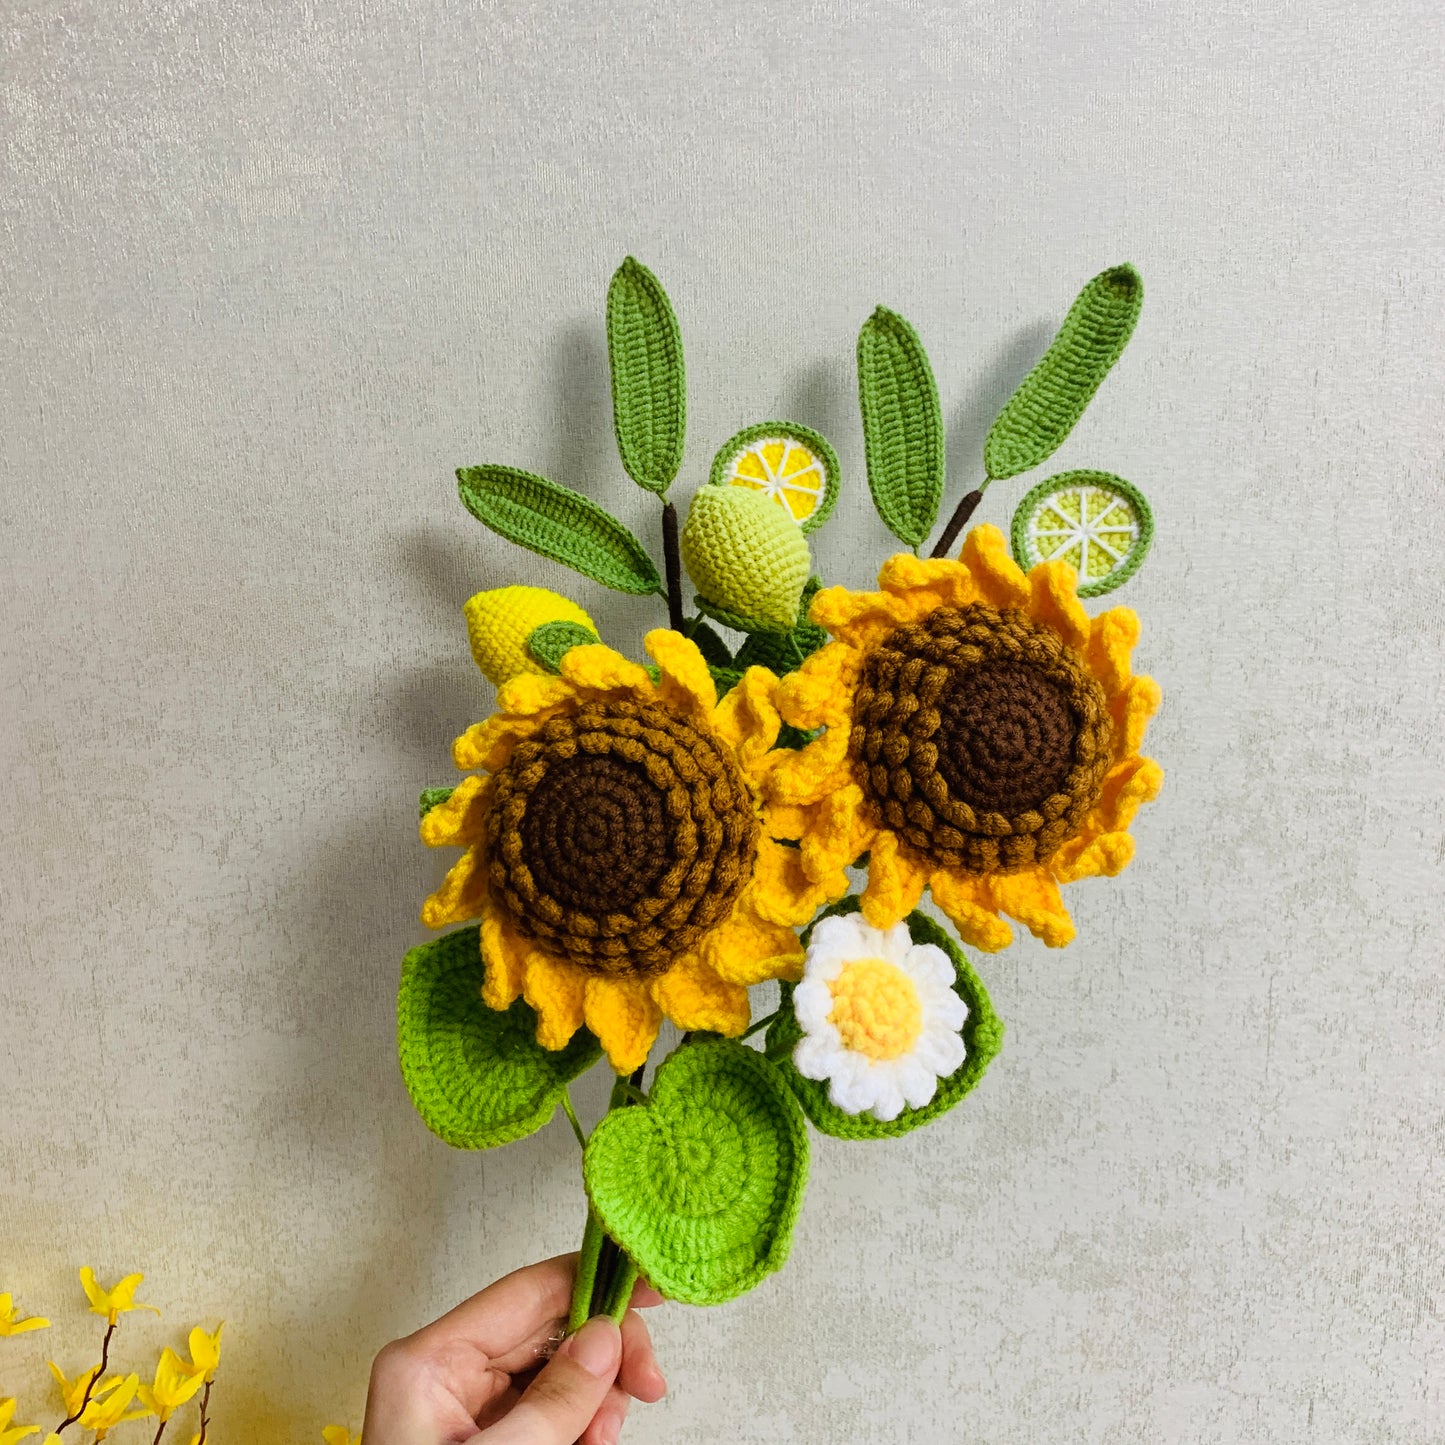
(747, 556)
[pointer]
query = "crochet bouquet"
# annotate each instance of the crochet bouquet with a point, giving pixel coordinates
(650, 840)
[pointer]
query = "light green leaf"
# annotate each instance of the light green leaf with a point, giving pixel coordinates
(649, 392)
(432, 798)
(1052, 397)
(552, 641)
(701, 1186)
(558, 523)
(477, 1076)
(902, 425)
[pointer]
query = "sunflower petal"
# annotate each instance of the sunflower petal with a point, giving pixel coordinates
(555, 988)
(1132, 710)
(504, 956)
(597, 666)
(782, 892)
(1089, 857)
(489, 744)
(462, 819)
(857, 618)
(895, 882)
(1056, 602)
(963, 900)
(625, 1018)
(836, 834)
(1127, 788)
(530, 693)
(812, 772)
(748, 949)
(820, 692)
(924, 584)
(694, 997)
(999, 579)
(1034, 899)
(747, 719)
(461, 895)
(685, 683)
(1112, 637)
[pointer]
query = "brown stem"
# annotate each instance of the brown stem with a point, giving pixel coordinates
(205, 1419)
(160, 1430)
(94, 1379)
(672, 561)
(957, 522)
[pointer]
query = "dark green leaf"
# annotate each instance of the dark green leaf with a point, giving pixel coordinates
(433, 798)
(552, 641)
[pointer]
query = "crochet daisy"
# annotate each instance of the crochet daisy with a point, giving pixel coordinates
(880, 1019)
(614, 853)
(978, 735)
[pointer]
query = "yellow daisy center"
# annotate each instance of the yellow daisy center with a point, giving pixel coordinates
(876, 1009)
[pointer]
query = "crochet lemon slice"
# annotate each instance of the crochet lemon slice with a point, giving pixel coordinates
(789, 464)
(1096, 522)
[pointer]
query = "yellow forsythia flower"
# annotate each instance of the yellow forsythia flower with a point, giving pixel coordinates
(119, 1299)
(174, 1385)
(72, 1392)
(205, 1352)
(11, 1325)
(340, 1435)
(746, 554)
(9, 1435)
(499, 623)
(111, 1408)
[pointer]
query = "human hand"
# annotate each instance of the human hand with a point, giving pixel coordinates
(483, 1367)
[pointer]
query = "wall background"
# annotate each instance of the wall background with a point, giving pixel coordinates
(270, 272)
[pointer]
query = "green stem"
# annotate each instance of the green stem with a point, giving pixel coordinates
(572, 1118)
(762, 1023)
(619, 1295)
(587, 1260)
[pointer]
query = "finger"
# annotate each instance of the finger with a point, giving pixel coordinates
(517, 1309)
(639, 1375)
(644, 1297)
(606, 1426)
(560, 1403)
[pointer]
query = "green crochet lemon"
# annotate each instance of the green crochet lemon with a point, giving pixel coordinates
(477, 1076)
(701, 1186)
(748, 557)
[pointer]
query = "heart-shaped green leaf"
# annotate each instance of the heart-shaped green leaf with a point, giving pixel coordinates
(982, 1037)
(558, 523)
(702, 1185)
(476, 1075)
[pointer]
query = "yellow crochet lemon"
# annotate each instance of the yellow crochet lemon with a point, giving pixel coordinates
(793, 466)
(499, 623)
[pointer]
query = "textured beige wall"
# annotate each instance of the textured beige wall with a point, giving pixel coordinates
(271, 271)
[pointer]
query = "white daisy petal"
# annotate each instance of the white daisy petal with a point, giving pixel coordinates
(918, 1082)
(888, 1099)
(812, 1003)
(815, 1056)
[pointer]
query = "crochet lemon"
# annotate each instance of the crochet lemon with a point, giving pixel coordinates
(747, 556)
(500, 621)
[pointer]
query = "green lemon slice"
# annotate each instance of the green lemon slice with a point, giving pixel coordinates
(1098, 523)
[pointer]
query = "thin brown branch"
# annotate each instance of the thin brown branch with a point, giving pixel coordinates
(672, 562)
(160, 1430)
(205, 1418)
(94, 1379)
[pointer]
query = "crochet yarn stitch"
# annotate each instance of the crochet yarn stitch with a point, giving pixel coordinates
(649, 394)
(747, 556)
(702, 1186)
(500, 624)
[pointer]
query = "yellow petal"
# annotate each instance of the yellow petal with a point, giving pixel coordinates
(685, 682)
(999, 579)
(598, 667)
(858, 618)
(925, 584)
(556, 989)
(962, 898)
(625, 1018)
(1127, 788)
(1033, 898)
(489, 744)
(1089, 857)
(461, 895)
(747, 720)
(1056, 602)
(782, 892)
(895, 882)
(1112, 636)
(746, 949)
(462, 819)
(528, 694)
(836, 835)
(504, 956)
(820, 692)
(1132, 710)
(694, 997)
(788, 820)
(813, 771)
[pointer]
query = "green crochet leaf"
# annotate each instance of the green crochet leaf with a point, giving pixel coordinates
(558, 523)
(432, 798)
(477, 1076)
(552, 641)
(1052, 397)
(714, 650)
(702, 1185)
(902, 425)
(982, 1037)
(649, 394)
(783, 651)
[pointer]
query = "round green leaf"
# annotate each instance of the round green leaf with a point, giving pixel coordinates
(552, 641)
(477, 1076)
(702, 1185)
(982, 1037)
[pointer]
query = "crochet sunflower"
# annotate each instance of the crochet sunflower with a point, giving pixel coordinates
(614, 850)
(980, 737)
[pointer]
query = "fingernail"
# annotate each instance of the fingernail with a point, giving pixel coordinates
(597, 1347)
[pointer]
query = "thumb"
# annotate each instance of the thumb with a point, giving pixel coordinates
(560, 1403)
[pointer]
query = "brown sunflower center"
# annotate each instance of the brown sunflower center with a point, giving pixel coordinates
(621, 834)
(980, 738)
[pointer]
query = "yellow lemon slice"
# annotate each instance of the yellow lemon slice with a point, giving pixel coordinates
(1096, 522)
(789, 464)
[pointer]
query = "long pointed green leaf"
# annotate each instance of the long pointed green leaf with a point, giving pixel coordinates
(649, 394)
(902, 425)
(1052, 397)
(558, 523)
